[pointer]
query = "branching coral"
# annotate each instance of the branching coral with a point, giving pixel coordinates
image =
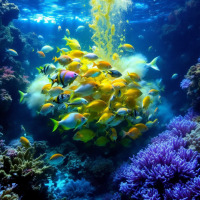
(28, 173)
(8, 195)
(22, 165)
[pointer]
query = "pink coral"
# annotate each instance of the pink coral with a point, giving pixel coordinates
(11, 152)
(7, 73)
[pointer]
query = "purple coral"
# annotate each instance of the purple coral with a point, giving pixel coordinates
(185, 83)
(165, 169)
(180, 126)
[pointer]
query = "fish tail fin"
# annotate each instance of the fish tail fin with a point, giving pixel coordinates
(128, 73)
(163, 88)
(94, 64)
(153, 64)
(21, 96)
(66, 105)
(120, 46)
(55, 59)
(52, 81)
(72, 95)
(90, 48)
(58, 50)
(124, 133)
(63, 52)
(55, 124)
(39, 70)
(129, 123)
(6, 50)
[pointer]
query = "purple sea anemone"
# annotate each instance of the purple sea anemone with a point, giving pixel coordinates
(185, 83)
(166, 169)
(180, 126)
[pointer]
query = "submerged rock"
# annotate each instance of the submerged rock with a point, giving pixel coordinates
(8, 12)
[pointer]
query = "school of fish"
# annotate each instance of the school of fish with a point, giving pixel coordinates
(89, 96)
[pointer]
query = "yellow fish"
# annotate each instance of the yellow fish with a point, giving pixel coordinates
(149, 124)
(56, 156)
(130, 102)
(76, 54)
(134, 85)
(25, 142)
(141, 127)
(155, 111)
(84, 135)
(106, 88)
(74, 66)
(118, 85)
(102, 65)
(146, 102)
(97, 106)
(120, 80)
(102, 141)
(106, 118)
(134, 76)
(127, 47)
(153, 92)
(134, 92)
(46, 88)
(92, 73)
(112, 134)
(115, 56)
(55, 91)
(46, 108)
(133, 133)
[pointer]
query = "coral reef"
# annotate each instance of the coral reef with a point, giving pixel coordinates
(166, 169)
(79, 189)
(18, 166)
(193, 91)
(193, 139)
(11, 82)
(100, 167)
(5, 100)
(7, 193)
(110, 196)
(185, 83)
(68, 188)
(8, 12)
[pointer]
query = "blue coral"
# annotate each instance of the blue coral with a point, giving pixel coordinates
(166, 169)
(79, 189)
(185, 83)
